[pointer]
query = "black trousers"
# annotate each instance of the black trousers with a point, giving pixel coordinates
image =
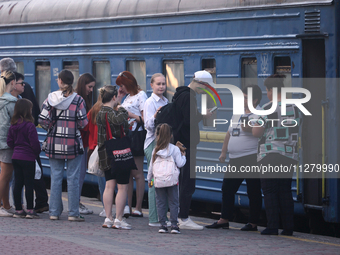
(41, 197)
(24, 172)
(187, 183)
(277, 193)
(231, 185)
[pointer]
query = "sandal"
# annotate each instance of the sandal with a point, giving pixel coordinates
(137, 213)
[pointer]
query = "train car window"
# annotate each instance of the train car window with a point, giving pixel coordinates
(72, 66)
(209, 65)
(174, 76)
(249, 72)
(138, 69)
(20, 67)
(42, 80)
(282, 65)
(102, 73)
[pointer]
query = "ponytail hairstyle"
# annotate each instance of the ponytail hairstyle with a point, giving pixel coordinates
(163, 138)
(67, 78)
(129, 81)
(83, 80)
(22, 111)
(5, 79)
(95, 109)
(107, 93)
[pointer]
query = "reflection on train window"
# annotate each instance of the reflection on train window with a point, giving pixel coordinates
(174, 76)
(20, 67)
(209, 65)
(42, 80)
(138, 69)
(249, 72)
(102, 73)
(72, 66)
(282, 65)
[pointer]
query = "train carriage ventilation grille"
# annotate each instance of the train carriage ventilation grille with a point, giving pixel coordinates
(312, 21)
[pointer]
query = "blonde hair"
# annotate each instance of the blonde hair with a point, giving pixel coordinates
(5, 79)
(153, 77)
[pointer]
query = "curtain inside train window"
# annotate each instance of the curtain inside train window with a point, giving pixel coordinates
(173, 71)
(102, 74)
(282, 65)
(20, 67)
(42, 80)
(209, 65)
(72, 66)
(249, 72)
(138, 69)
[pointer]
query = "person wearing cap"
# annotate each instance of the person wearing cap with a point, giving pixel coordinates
(188, 134)
(63, 115)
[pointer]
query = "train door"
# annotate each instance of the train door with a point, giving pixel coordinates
(314, 80)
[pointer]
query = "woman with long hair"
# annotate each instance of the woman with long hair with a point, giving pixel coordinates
(7, 103)
(134, 104)
(116, 119)
(85, 85)
(63, 115)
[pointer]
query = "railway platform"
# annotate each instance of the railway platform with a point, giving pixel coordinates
(43, 236)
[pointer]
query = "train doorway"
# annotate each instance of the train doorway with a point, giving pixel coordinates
(314, 73)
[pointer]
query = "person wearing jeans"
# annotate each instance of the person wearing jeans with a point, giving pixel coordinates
(57, 173)
(63, 115)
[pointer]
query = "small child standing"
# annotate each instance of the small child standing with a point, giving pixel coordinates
(166, 159)
(23, 139)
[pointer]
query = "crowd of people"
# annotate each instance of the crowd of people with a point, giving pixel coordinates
(75, 127)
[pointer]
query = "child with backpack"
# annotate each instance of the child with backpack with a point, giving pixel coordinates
(166, 159)
(23, 139)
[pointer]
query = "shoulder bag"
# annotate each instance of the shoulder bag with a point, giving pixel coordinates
(137, 139)
(119, 150)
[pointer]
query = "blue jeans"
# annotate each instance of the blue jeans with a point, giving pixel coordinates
(57, 173)
(83, 168)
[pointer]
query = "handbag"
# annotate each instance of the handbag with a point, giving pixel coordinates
(93, 165)
(119, 150)
(138, 139)
(44, 143)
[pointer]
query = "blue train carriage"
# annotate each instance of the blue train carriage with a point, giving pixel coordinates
(240, 42)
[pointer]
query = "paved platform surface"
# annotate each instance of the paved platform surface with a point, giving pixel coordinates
(43, 236)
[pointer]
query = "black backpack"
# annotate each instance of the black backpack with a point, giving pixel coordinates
(168, 114)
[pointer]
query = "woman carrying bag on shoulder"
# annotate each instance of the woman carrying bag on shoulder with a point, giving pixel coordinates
(134, 104)
(63, 115)
(117, 121)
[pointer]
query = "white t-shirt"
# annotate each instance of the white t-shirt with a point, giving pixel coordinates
(150, 107)
(135, 105)
(245, 143)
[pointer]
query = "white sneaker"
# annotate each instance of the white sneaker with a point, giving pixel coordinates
(102, 213)
(189, 224)
(84, 210)
(155, 224)
(121, 224)
(5, 213)
(168, 223)
(107, 223)
(126, 213)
